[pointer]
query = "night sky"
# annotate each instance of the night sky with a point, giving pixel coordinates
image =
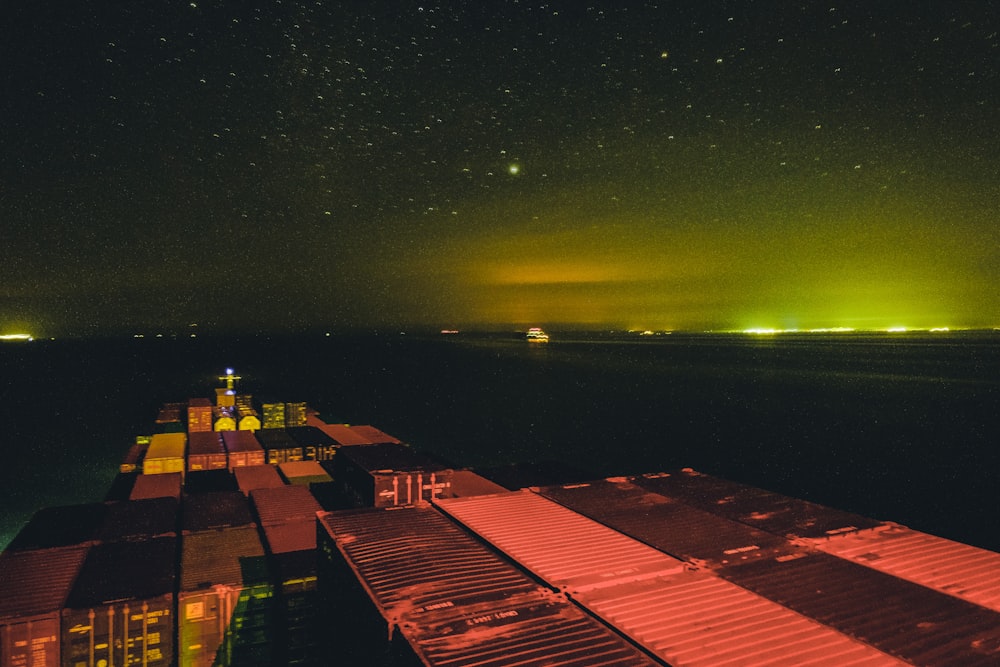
(256, 166)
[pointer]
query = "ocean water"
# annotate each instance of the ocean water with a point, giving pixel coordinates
(898, 427)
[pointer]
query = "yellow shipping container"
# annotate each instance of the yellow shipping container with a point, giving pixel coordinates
(165, 454)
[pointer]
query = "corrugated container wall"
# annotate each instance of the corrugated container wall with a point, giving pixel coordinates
(120, 610)
(295, 414)
(243, 449)
(274, 415)
(206, 451)
(165, 454)
(388, 475)
(199, 415)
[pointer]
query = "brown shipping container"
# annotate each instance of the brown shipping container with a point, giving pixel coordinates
(249, 478)
(284, 504)
(243, 449)
(388, 475)
(199, 415)
(225, 603)
(139, 520)
(133, 458)
(121, 608)
(157, 486)
(279, 446)
(341, 434)
(374, 435)
(316, 445)
(206, 451)
(33, 589)
(412, 575)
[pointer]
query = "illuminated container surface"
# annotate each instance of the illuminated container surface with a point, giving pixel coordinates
(316, 445)
(249, 478)
(139, 520)
(295, 414)
(34, 586)
(304, 473)
(386, 475)
(199, 415)
(202, 512)
(374, 435)
(341, 434)
(120, 610)
(225, 599)
(242, 449)
(288, 517)
(206, 451)
(274, 415)
(408, 581)
(279, 446)
(61, 526)
(681, 615)
(165, 454)
(168, 485)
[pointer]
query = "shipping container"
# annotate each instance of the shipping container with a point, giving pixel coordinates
(466, 483)
(374, 435)
(766, 510)
(249, 478)
(206, 451)
(34, 586)
(199, 415)
(139, 520)
(274, 415)
(225, 603)
(243, 449)
(202, 512)
(954, 568)
(300, 625)
(120, 610)
(279, 446)
(341, 434)
(133, 458)
(61, 526)
(316, 445)
(387, 475)
(121, 486)
(683, 615)
(304, 473)
(224, 418)
(284, 504)
(295, 414)
(168, 485)
(408, 579)
(165, 454)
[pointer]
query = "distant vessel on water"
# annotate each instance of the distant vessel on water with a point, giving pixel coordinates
(536, 335)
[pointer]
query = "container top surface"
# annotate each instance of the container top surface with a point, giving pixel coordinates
(272, 438)
(284, 503)
(341, 434)
(213, 510)
(167, 485)
(166, 446)
(139, 519)
(240, 441)
(374, 435)
(205, 442)
(37, 582)
(773, 512)
(232, 557)
(678, 529)
(291, 536)
(389, 457)
(309, 436)
(262, 476)
(61, 526)
(292, 469)
(123, 571)
(467, 483)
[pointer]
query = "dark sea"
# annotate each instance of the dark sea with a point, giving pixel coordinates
(897, 427)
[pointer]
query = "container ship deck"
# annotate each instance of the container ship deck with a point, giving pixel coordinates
(239, 533)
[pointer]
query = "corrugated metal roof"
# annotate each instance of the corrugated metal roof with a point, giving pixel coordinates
(205, 442)
(37, 582)
(772, 512)
(673, 527)
(61, 526)
(954, 568)
(682, 616)
(292, 536)
(240, 441)
(139, 519)
(340, 433)
(166, 446)
(915, 623)
(234, 556)
(458, 603)
(284, 504)
(294, 469)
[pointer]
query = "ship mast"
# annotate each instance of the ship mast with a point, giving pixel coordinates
(230, 379)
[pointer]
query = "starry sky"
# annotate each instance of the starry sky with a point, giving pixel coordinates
(292, 164)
